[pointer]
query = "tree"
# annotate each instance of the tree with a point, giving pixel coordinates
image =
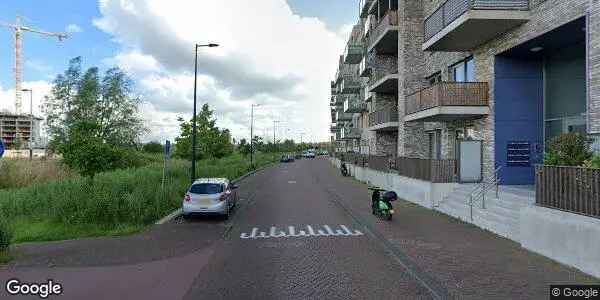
(90, 155)
(153, 147)
(93, 120)
(244, 147)
(211, 141)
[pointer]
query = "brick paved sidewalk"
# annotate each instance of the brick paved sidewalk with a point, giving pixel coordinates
(470, 262)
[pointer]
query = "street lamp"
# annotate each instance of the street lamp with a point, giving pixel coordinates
(274, 140)
(252, 134)
(193, 171)
(30, 122)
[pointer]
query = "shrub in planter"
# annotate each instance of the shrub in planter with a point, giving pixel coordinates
(569, 149)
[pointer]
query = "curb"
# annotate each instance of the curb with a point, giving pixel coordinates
(178, 212)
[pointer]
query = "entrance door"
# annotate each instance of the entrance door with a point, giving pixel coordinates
(470, 161)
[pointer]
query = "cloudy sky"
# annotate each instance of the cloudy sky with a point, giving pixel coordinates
(280, 54)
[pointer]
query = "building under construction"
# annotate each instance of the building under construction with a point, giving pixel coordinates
(17, 130)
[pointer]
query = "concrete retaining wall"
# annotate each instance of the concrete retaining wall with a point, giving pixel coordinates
(568, 238)
(420, 192)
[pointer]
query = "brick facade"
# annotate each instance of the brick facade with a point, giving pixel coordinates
(415, 65)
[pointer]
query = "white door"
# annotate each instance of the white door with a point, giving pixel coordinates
(470, 161)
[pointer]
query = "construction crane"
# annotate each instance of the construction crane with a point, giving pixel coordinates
(19, 29)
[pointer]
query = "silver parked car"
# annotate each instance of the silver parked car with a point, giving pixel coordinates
(210, 196)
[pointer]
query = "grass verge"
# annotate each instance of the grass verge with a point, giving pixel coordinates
(113, 203)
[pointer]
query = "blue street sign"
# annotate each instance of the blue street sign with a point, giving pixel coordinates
(1, 148)
(168, 149)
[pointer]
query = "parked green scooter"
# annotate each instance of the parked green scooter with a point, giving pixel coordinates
(381, 203)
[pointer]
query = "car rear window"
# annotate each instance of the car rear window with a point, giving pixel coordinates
(206, 188)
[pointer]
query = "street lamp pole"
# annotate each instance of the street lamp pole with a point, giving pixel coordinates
(30, 122)
(274, 140)
(252, 134)
(193, 171)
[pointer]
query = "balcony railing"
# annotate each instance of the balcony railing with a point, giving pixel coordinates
(350, 84)
(390, 19)
(349, 133)
(364, 7)
(448, 94)
(453, 9)
(364, 69)
(383, 116)
(341, 116)
(353, 104)
(353, 52)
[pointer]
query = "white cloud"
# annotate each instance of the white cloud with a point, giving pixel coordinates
(73, 28)
(267, 55)
(40, 89)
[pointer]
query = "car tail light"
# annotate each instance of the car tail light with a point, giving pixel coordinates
(188, 198)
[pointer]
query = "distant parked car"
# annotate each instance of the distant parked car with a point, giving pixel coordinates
(210, 196)
(286, 158)
(309, 154)
(298, 156)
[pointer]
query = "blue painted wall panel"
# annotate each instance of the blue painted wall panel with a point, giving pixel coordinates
(518, 94)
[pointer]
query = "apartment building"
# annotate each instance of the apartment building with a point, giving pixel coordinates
(18, 130)
(483, 83)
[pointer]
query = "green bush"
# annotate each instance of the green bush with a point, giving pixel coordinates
(595, 162)
(570, 149)
(153, 147)
(6, 234)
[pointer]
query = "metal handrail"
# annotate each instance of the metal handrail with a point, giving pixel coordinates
(479, 192)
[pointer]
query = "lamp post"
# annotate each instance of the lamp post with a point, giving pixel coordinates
(274, 140)
(193, 171)
(30, 122)
(252, 134)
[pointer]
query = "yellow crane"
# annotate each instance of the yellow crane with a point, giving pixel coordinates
(19, 29)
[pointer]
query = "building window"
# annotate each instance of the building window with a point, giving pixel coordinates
(463, 71)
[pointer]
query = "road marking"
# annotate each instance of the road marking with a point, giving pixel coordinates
(291, 232)
(292, 181)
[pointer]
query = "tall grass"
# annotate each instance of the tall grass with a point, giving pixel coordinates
(17, 173)
(113, 200)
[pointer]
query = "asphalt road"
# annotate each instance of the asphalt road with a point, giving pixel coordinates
(208, 258)
(300, 231)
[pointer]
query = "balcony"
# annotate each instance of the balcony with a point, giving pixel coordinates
(349, 84)
(384, 81)
(447, 101)
(350, 133)
(353, 104)
(462, 25)
(365, 96)
(384, 120)
(354, 52)
(341, 117)
(338, 135)
(338, 100)
(384, 36)
(335, 128)
(364, 69)
(364, 7)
